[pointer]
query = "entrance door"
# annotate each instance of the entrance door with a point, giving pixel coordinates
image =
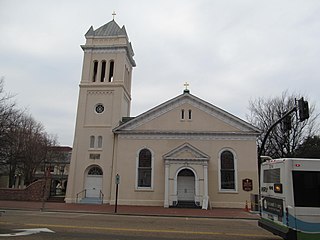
(185, 185)
(93, 184)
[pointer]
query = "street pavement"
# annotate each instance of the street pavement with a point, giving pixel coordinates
(224, 213)
(34, 225)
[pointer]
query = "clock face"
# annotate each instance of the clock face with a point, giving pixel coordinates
(99, 108)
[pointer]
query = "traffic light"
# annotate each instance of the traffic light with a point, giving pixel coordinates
(286, 123)
(303, 108)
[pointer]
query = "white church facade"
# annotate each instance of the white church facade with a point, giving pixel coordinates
(183, 151)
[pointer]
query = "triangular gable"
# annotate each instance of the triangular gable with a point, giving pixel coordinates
(188, 98)
(186, 152)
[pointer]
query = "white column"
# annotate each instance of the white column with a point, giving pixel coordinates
(205, 175)
(205, 186)
(166, 190)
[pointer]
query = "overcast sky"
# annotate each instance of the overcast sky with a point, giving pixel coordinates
(229, 51)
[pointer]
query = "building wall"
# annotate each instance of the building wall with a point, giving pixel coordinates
(126, 165)
(200, 121)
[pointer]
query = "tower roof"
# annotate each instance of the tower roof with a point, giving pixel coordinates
(108, 30)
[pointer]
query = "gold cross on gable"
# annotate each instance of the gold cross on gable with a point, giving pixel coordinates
(114, 14)
(186, 84)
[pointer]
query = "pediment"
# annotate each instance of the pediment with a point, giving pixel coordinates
(186, 152)
(206, 118)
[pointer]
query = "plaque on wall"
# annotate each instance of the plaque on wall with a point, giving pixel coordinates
(247, 184)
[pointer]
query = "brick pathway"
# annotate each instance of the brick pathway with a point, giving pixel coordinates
(130, 210)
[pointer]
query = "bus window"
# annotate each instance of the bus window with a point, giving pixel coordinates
(306, 188)
(271, 175)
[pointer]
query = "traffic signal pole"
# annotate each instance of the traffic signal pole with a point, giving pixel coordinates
(269, 130)
(303, 109)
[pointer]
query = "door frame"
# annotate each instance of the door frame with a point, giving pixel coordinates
(96, 177)
(196, 182)
(188, 183)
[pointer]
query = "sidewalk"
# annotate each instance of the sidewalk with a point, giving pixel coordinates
(129, 210)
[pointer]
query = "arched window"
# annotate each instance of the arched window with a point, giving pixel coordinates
(227, 171)
(144, 168)
(95, 71)
(103, 71)
(190, 114)
(100, 142)
(97, 171)
(92, 140)
(111, 69)
(182, 114)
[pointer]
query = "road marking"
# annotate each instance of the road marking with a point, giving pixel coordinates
(26, 232)
(148, 230)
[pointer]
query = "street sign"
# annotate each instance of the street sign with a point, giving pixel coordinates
(117, 179)
(117, 192)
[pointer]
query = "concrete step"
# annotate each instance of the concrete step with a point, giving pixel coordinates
(91, 200)
(187, 204)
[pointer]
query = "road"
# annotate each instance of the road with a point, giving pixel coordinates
(54, 225)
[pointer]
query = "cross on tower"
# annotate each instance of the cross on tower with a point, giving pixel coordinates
(186, 84)
(113, 14)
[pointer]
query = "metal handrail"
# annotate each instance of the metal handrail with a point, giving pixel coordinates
(101, 196)
(85, 194)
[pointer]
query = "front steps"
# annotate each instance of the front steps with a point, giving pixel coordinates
(91, 200)
(187, 204)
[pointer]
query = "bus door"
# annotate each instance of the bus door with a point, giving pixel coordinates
(306, 193)
(272, 200)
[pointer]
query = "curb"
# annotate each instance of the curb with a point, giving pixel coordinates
(132, 214)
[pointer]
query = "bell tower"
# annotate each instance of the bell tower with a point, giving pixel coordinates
(104, 99)
(107, 69)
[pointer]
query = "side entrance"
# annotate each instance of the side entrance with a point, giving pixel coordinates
(93, 183)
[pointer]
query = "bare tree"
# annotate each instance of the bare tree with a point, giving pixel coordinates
(34, 144)
(281, 141)
(310, 148)
(24, 144)
(8, 113)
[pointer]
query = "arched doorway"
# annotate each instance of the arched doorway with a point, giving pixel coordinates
(186, 186)
(93, 184)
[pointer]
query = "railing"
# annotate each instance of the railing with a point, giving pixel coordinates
(101, 196)
(83, 191)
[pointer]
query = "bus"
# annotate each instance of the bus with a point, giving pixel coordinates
(290, 198)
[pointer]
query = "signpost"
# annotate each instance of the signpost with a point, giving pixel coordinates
(117, 190)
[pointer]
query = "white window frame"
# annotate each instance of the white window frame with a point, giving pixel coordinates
(137, 170)
(100, 142)
(92, 141)
(235, 190)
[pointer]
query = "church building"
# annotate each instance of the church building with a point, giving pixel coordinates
(182, 152)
